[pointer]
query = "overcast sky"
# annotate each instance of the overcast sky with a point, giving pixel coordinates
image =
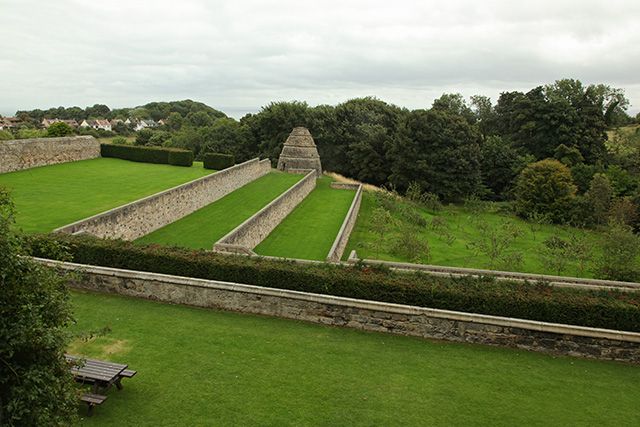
(239, 55)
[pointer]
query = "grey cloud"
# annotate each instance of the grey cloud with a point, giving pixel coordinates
(240, 55)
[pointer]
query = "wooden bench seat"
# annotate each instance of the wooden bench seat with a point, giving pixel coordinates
(92, 400)
(128, 373)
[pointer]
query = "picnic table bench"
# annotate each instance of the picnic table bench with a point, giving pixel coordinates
(100, 374)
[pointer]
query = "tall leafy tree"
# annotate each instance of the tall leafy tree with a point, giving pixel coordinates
(440, 151)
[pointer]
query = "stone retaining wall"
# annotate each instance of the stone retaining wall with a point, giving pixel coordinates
(254, 230)
(18, 154)
(561, 281)
(360, 314)
(339, 245)
(143, 216)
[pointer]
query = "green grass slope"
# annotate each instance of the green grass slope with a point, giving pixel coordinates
(204, 367)
(52, 196)
(450, 246)
(204, 227)
(309, 231)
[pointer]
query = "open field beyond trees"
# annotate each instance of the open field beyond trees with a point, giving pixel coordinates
(201, 229)
(309, 231)
(208, 367)
(52, 196)
(450, 238)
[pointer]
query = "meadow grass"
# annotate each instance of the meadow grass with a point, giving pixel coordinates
(450, 245)
(52, 196)
(202, 228)
(309, 231)
(204, 367)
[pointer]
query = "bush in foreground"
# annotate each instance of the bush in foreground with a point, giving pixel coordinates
(36, 387)
(535, 301)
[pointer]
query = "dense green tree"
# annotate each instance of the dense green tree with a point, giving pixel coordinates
(545, 188)
(228, 136)
(501, 164)
(620, 250)
(199, 119)
(174, 121)
(599, 197)
(188, 138)
(36, 387)
(159, 138)
(454, 103)
(440, 151)
(143, 136)
(59, 129)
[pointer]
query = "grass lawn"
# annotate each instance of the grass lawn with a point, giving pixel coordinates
(204, 367)
(309, 231)
(204, 227)
(449, 246)
(52, 196)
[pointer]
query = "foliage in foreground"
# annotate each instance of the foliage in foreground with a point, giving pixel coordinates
(35, 385)
(535, 301)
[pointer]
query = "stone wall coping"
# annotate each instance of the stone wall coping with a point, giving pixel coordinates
(534, 325)
(510, 275)
(277, 200)
(353, 211)
(155, 195)
(46, 139)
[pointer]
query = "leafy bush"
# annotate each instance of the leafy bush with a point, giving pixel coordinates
(181, 158)
(620, 250)
(36, 387)
(59, 129)
(218, 161)
(536, 301)
(545, 187)
(158, 155)
(119, 140)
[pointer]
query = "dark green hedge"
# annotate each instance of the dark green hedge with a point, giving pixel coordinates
(161, 155)
(218, 161)
(535, 301)
(181, 158)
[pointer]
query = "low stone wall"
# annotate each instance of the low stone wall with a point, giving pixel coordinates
(143, 216)
(18, 154)
(560, 281)
(255, 229)
(345, 186)
(339, 245)
(360, 314)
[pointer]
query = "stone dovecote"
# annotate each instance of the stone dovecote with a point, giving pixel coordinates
(299, 153)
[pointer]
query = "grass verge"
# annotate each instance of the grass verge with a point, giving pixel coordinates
(309, 231)
(52, 196)
(198, 367)
(202, 228)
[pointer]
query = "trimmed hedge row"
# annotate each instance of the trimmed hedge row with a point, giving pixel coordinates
(218, 161)
(136, 153)
(534, 301)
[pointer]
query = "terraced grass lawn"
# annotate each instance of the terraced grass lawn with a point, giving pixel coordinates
(449, 244)
(52, 196)
(204, 227)
(309, 231)
(204, 367)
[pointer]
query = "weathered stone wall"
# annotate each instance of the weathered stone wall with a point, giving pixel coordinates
(143, 216)
(339, 245)
(255, 229)
(360, 314)
(18, 154)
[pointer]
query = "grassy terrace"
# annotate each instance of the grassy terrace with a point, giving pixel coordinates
(203, 228)
(203, 367)
(52, 196)
(309, 231)
(449, 246)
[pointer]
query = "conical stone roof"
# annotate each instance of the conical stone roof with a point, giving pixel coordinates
(299, 153)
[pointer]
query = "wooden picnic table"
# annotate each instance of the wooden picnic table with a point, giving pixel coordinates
(100, 373)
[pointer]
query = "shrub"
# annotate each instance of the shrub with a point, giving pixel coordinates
(59, 129)
(143, 137)
(545, 187)
(218, 161)
(535, 301)
(158, 155)
(119, 140)
(620, 250)
(180, 157)
(36, 387)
